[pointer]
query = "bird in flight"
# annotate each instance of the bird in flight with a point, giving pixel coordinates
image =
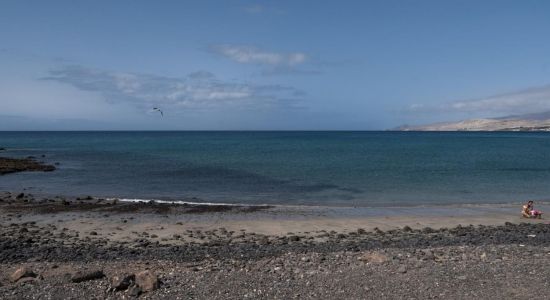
(158, 109)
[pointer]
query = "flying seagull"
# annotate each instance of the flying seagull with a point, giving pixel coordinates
(158, 109)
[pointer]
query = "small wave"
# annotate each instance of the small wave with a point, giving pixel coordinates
(135, 200)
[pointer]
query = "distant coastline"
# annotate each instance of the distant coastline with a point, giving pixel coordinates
(531, 122)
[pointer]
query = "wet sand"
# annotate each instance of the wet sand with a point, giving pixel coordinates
(118, 222)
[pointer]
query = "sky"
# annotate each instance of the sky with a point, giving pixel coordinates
(269, 65)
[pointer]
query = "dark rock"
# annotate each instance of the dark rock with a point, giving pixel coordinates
(87, 275)
(429, 230)
(294, 238)
(378, 231)
(134, 291)
(12, 165)
(122, 282)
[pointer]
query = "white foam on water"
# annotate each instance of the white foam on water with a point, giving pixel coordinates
(181, 202)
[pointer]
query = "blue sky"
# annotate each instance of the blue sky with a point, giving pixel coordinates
(264, 65)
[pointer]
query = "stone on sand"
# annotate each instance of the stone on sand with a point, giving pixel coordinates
(22, 272)
(147, 281)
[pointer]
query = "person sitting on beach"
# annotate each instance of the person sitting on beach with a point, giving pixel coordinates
(530, 212)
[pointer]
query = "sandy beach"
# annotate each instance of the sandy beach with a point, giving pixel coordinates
(236, 251)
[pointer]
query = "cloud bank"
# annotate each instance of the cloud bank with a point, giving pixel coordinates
(197, 91)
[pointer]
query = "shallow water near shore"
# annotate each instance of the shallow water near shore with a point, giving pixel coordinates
(295, 168)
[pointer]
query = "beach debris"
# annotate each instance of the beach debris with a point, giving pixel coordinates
(521, 245)
(483, 256)
(86, 275)
(21, 273)
(531, 235)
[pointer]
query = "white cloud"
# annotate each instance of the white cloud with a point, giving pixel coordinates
(198, 90)
(257, 9)
(254, 9)
(531, 100)
(253, 55)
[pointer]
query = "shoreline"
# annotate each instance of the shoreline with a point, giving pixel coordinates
(263, 219)
(313, 206)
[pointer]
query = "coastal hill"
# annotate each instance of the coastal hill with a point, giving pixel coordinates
(527, 122)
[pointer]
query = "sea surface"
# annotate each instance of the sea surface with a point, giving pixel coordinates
(299, 168)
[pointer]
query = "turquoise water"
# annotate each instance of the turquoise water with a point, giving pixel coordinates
(316, 168)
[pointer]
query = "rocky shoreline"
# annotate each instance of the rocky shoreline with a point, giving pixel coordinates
(13, 165)
(50, 259)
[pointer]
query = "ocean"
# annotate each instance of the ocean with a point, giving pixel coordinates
(297, 168)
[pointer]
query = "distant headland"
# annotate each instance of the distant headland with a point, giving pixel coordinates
(527, 122)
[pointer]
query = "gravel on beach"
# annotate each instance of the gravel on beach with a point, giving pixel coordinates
(50, 261)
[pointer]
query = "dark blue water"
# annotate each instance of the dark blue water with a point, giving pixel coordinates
(321, 168)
